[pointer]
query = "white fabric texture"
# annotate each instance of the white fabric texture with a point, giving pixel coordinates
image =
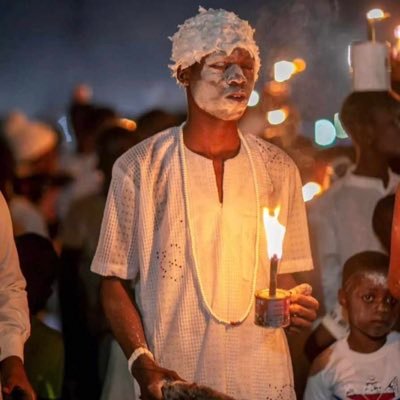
(14, 313)
(341, 223)
(352, 375)
(145, 232)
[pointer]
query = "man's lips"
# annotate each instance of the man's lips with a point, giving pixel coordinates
(239, 95)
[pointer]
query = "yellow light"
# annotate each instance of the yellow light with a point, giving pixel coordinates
(254, 99)
(274, 232)
(310, 190)
(283, 70)
(276, 117)
(397, 32)
(376, 14)
(128, 124)
(299, 64)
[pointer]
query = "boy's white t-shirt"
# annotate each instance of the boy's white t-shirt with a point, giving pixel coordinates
(358, 376)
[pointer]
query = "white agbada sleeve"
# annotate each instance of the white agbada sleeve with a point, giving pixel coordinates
(115, 255)
(14, 313)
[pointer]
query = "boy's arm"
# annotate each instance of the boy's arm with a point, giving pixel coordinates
(126, 324)
(318, 387)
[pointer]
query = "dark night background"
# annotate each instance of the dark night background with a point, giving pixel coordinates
(121, 49)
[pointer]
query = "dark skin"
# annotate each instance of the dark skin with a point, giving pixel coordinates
(13, 378)
(217, 140)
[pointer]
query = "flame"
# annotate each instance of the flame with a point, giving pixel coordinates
(377, 14)
(274, 232)
(127, 124)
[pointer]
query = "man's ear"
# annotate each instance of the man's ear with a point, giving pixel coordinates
(183, 76)
(342, 298)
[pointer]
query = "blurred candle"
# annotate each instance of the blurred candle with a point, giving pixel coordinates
(394, 269)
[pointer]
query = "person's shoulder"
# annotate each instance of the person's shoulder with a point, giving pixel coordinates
(147, 149)
(270, 152)
(325, 359)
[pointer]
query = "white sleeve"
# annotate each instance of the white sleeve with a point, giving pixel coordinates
(317, 388)
(335, 322)
(116, 253)
(14, 312)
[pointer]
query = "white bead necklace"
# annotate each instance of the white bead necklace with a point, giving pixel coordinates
(193, 245)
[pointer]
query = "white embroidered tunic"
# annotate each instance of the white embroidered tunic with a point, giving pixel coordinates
(145, 235)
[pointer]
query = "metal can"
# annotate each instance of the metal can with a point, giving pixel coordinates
(272, 311)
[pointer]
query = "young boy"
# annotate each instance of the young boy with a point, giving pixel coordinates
(365, 364)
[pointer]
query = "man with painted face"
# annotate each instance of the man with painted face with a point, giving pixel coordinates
(183, 222)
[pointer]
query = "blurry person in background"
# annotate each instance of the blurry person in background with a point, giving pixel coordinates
(14, 314)
(346, 209)
(83, 319)
(34, 194)
(44, 350)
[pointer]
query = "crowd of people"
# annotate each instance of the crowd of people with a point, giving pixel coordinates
(131, 251)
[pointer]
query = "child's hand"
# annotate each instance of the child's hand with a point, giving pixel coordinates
(303, 308)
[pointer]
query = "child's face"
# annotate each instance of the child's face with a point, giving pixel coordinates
(372, 310)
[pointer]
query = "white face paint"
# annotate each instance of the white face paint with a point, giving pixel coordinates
(377, 278)
(224, 84)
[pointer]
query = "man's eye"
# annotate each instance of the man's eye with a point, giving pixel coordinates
(368, 298)
(218, 66)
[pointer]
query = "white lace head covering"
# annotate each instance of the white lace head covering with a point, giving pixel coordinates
(209, 31)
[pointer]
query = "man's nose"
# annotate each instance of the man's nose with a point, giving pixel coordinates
(234, 75)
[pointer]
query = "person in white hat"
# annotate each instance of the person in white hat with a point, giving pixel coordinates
(341, 218)
(183, 222)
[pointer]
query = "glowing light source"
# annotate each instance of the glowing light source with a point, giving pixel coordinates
(276, 117)
(397, 32)
(376, 14)
(274, 232)
(254, 99)
(128, 124)
(373, 16)
(340, 132)
(325, 132)
(299, 64)
(310, 190)
(283, 70)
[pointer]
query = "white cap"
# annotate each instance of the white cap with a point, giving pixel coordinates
(370, 66)
(28, 139)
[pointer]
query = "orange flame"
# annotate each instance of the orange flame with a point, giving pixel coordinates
(274, 231)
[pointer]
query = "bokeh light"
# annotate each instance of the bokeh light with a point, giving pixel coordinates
(283, 70)
(310, 190)
(325, 132)
(340, 131)
(254, 99)
(276, 117)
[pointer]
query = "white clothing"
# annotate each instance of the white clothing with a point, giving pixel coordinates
(145, 234)
(14, 313)
(341, 224)
(26, 217)
(358, 376)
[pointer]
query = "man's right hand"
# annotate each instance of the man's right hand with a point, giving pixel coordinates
(151, 377)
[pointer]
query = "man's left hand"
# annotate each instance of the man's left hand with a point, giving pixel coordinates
(14, 379)
(303, 308)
